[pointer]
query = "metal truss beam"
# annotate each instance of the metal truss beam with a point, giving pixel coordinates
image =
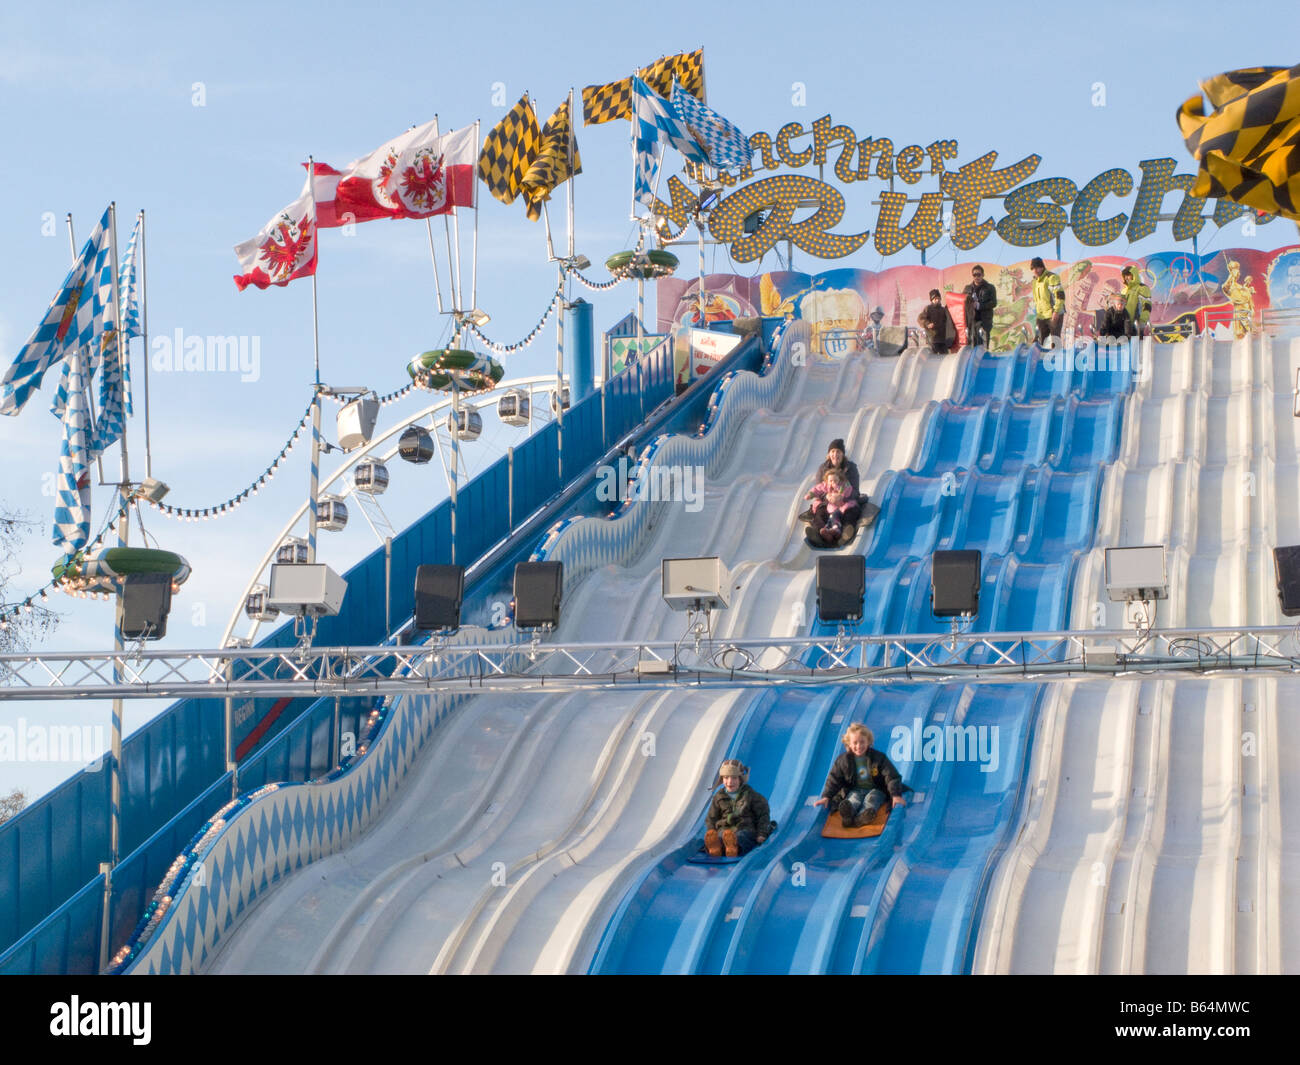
(724, 663)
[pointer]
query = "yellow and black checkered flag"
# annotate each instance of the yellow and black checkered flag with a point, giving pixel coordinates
(552, 166)
(601, 103)
(508, 150)
(688, 69)
(1249, 147)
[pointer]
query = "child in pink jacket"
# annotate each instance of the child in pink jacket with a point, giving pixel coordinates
(836, 496)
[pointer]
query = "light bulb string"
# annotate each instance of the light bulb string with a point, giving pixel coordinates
(198, 513)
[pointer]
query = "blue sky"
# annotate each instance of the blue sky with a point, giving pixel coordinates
(201, 114)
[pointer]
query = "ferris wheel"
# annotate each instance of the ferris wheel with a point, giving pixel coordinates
(523, 404)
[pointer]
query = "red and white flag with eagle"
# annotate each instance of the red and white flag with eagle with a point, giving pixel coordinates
(284, 249)
(416, 175)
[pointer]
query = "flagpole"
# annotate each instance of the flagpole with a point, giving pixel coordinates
(313, 513)
(455, 225)
(123, 534)
(433, 258)
(452, 271)
(90, 396)
(473, 292)
(571, 173)
(144, 329)
(546, 219)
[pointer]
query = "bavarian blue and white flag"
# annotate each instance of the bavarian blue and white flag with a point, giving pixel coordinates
(115, 379)
(72, 504)
(722, 140)
(128, 287)
(645, 171)
(75, 319)
(114, 393)
(655, 119)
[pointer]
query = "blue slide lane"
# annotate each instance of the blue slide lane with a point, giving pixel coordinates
(1011, 466)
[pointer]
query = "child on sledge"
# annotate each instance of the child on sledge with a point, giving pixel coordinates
(861, 780)
(739, 818)
(833, 501)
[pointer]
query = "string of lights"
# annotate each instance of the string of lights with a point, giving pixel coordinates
(384, 401)
(203, 513)
(599, 286)
(506, 349)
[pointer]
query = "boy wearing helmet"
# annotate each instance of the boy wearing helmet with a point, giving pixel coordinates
(738, 819)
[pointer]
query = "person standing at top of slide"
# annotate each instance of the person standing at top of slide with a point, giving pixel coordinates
(981, 298)
(1049, 302)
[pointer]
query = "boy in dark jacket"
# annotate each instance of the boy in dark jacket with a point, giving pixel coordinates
(861, 779)
(738, 819)
(1115, 320)
(936, 320)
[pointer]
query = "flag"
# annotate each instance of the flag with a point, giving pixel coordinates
(115, 360)
(722, 140)
(654, 118)
(324, 188)
(551, 167)
(508, 151)
(114, 394)
(645, 171)
(75, 319)
(687, 68)
(366, 189)
(127, 285)
(285, 248)
(72, 505)
(431, 177)
(601, 103)
(1249, 148)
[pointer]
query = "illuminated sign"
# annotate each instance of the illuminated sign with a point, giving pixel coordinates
(1035, 210)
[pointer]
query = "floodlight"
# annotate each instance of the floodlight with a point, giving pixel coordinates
(1287, 562)
(1136, 573)
(692, 584)
(1137, 576)
(841, 581)
(955, 584)
(438, 594)
(306, 589)
(538, 590)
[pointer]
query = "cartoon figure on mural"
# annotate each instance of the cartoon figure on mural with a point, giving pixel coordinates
(723, 302)
(1283, 284)
(1011, 316)
(1079, 285)
(1241, 293)
(837, 317)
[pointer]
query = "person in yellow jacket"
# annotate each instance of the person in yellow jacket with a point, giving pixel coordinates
(1137, 301)
(1049, 302)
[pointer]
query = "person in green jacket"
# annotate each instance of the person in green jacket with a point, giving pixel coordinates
(739, 818)
(1049, 301)
(1137, 301)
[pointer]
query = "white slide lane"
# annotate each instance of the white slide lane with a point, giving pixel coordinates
(1162, 828)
